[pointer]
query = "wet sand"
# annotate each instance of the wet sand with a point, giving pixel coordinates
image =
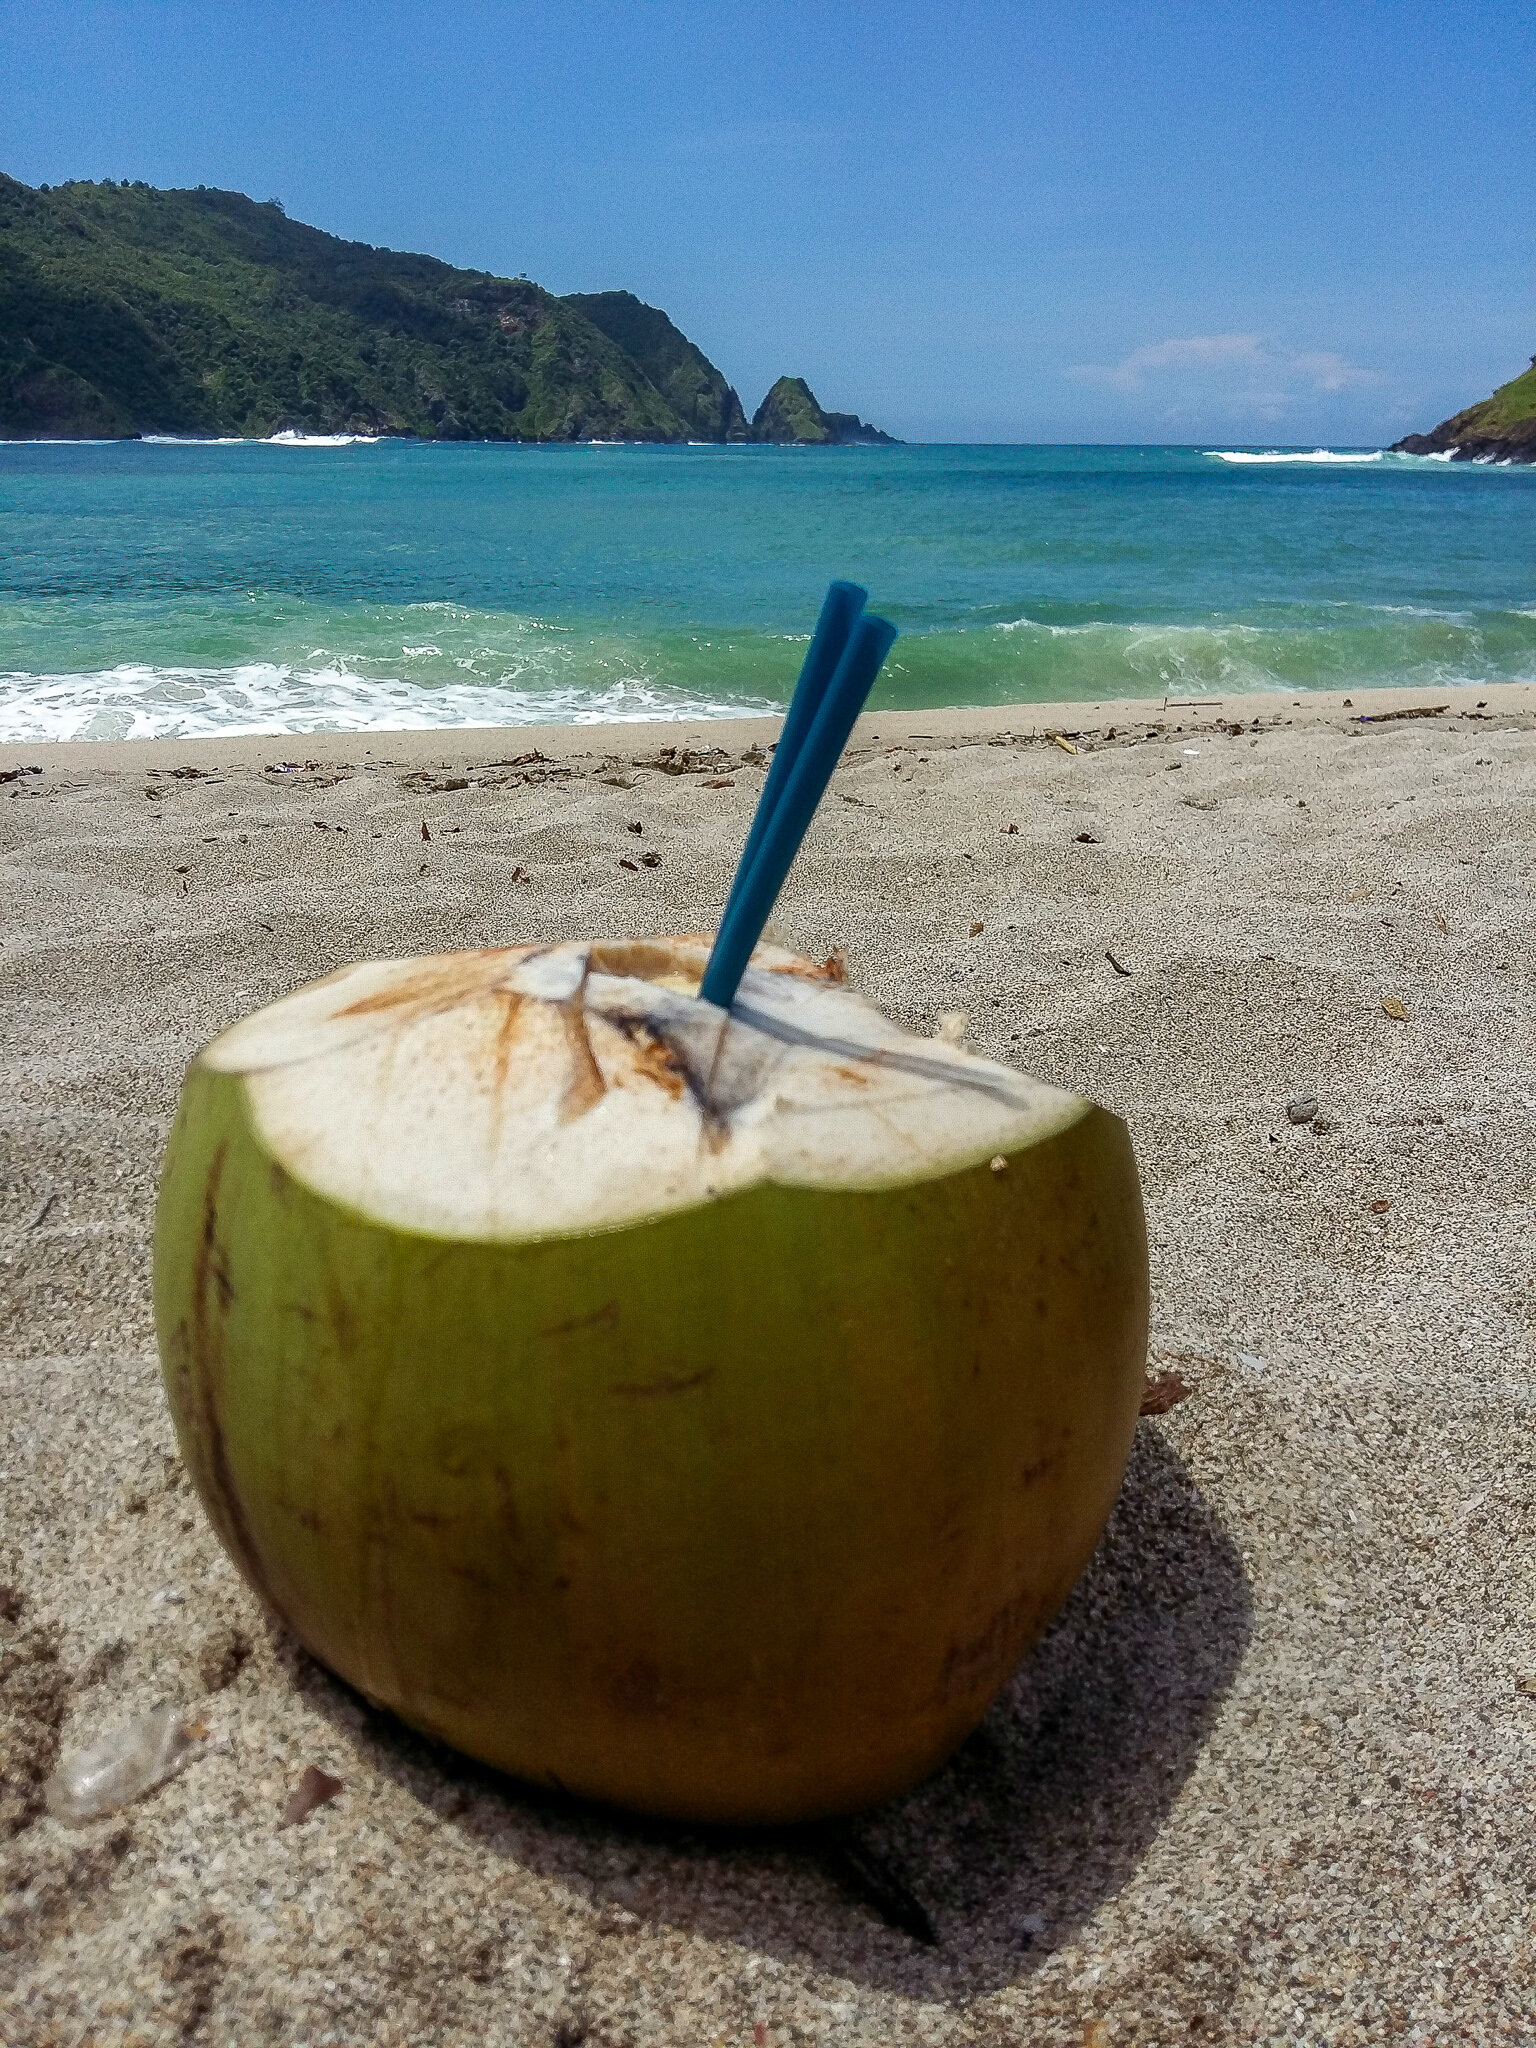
(1268, 1778)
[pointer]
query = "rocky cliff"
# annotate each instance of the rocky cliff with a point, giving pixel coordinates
(683, 374)
(1501, 429)
(125, 310)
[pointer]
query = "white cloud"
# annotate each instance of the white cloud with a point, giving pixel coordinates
(1245, 372)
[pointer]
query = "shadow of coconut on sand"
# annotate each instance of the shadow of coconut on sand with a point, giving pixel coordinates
(1040, 1817)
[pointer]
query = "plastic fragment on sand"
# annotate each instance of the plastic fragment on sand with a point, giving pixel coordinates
(121, 1767)
(1392, 1007)
(313, 1789)
(1065, 745)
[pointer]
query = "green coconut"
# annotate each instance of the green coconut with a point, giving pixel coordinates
(699, 1412)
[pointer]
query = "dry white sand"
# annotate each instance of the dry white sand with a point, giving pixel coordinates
(1268, 1779)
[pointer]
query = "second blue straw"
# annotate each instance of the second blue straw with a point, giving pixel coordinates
(816, 730)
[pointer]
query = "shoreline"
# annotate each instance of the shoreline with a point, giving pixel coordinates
(945, 727)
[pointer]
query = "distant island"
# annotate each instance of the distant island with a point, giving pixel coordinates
(1501, 429)
(127, 311)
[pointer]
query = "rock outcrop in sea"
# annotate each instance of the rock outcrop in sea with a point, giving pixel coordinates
(790, 413)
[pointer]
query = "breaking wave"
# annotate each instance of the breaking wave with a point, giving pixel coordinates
(379, 668)
(133, 702)
(1277, 455)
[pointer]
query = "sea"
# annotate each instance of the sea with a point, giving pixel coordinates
(165, 588)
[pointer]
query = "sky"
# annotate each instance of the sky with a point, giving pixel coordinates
(1109, 221)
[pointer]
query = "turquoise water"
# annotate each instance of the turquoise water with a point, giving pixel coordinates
(176, 588)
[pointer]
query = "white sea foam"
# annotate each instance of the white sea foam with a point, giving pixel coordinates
(1278, 455)
(290, 437)
(134, 701)
(197, 441)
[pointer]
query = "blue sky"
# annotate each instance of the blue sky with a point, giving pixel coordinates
(972, 221)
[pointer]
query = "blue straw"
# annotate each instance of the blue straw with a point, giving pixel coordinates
(840, 607)
(756, 889)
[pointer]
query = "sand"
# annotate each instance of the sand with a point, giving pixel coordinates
(1269, 1777)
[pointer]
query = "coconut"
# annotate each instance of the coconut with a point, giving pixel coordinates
(696, 1410)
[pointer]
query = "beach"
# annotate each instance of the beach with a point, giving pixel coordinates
(1268, 1777)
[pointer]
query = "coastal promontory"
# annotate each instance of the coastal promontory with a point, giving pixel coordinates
(125, 310)
(1499, 429)
(790, 413)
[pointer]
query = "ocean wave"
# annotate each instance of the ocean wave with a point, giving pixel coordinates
(132, 701)
(290, 437)
(268, 663)
(1346, 647)
(1282, 455)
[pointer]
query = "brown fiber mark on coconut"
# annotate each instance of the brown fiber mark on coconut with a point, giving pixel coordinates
(978, 1660)
(342, 1317)
(832, 971)
(506, 1503)
(506, 1038)
(381, 1675)
(651, 1058)
(212, 1295)
(1038, 1469)
(470, 1574)
(436, 985)
(681, 960)
(637, 1688)
(646, 1390)
(586, 1086)
(597, 1318)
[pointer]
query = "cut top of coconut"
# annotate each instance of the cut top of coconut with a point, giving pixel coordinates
(538, 1091)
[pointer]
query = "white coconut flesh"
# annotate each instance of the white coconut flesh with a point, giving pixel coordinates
(528, 1092)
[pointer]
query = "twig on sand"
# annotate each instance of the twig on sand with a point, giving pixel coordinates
(868, 1874)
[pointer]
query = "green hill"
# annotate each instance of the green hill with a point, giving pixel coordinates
(1501, 429)
(125, 310)
(790, 413)
(683, 374)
